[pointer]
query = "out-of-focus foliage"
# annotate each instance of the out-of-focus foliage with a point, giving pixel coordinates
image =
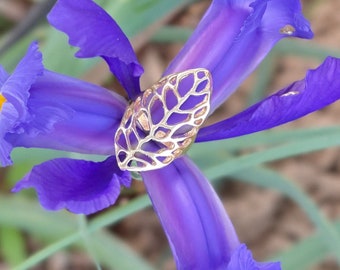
(143, 21)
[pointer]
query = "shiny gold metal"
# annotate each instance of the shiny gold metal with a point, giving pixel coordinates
(162, 123)
(288, 30)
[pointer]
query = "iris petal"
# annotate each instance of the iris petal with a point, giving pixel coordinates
(5, 153)
(320, 88)
(199, 231)
(49, 110)
(82, 187)
(70, 115)
(91, 29)
(234, 36)
(15, 89)
(242, 259)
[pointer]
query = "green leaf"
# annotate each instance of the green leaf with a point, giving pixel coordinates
(13, 55)
(63, 228)
(59, 55)
(172, 34)
(305, 49)
(299, 146)
(27, 215)
(306, 253)
(264, 75)
(269, 179)
(48, 251)
(118, 213)
(260, 139)
(12, 245)
(107, 248)
(116, 254)
(144, 13)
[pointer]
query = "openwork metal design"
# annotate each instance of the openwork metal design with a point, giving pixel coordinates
(162, 123)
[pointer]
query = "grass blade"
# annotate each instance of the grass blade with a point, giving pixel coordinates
(270, 179)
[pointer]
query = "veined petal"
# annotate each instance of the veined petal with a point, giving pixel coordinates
(15, 94)
(242, 259)
(16, 88)
(234, 36)
(82, 187)
(199, 231)
(91, 29)
(43, 109)
(70, 115)
(320, 88)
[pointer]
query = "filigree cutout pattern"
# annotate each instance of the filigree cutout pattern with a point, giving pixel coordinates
(162, 123)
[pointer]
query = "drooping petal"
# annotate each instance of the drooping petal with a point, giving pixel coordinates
(82, 187)
(70, 115)
(199, 231)
(320, 88)
(15, 94)
(234, 36)
(16, 88)
(242, 259)
(91, 29)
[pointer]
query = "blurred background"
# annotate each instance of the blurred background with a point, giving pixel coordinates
(285, 204)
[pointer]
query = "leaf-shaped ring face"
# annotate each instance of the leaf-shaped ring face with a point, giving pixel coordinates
(162, 123)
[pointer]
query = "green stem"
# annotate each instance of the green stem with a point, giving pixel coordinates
(275, 153)
(270, 179)
(48, 251)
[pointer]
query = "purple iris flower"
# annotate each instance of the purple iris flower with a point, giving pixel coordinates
(40, 108)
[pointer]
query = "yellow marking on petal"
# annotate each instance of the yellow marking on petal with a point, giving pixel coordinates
(2, 101)
(288, 30)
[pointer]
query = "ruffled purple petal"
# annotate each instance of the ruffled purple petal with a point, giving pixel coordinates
(242, 259)
(91, 29)
(15, 89)
(82, 187)
(234, 36)
(7, 120)
(70, 115)
(199, 231)
(320, 88)
(49, 110)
